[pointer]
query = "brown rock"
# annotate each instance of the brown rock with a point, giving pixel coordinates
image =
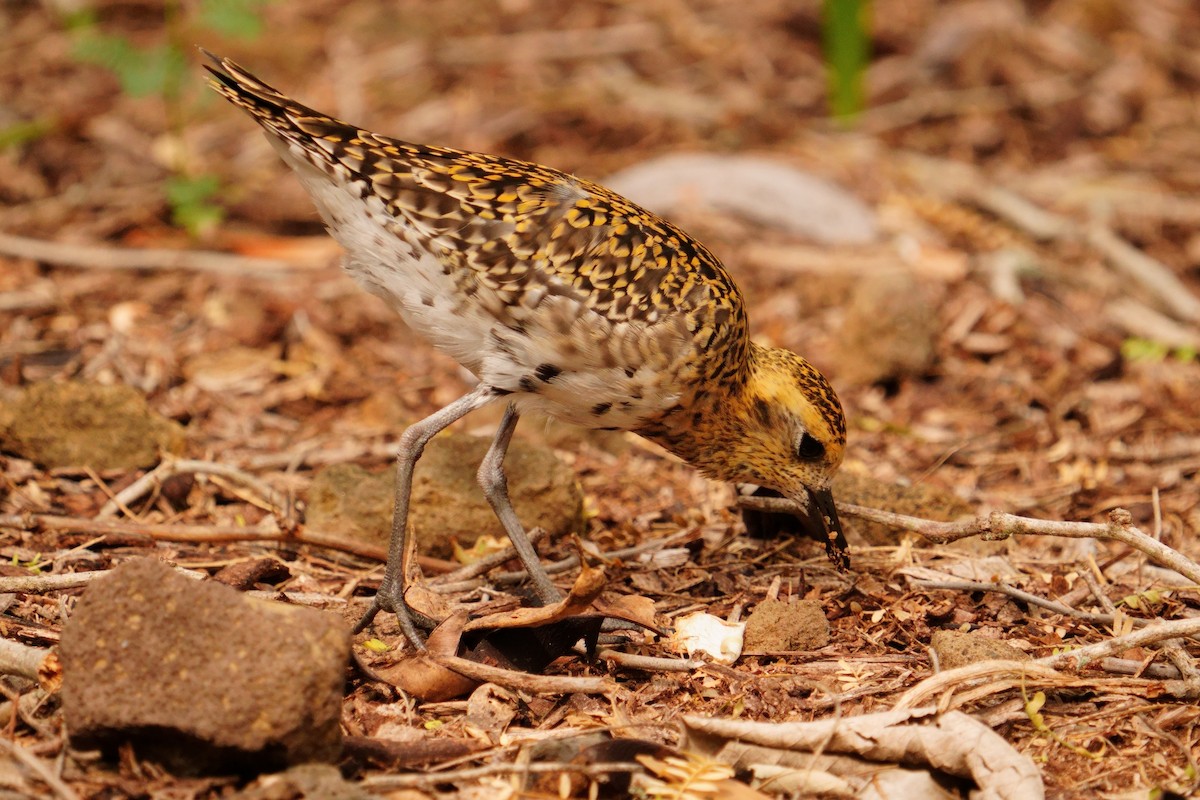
(199, 677)
(776, 625)
(957, 649)
(85, 424)
(447, 502)
(920, 500)
(888, 331)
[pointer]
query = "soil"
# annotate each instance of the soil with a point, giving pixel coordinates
(1032, 170)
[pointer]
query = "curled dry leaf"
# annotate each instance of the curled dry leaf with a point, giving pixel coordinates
(588, 585)
(422, 676)
(952, 743)
(634, 608)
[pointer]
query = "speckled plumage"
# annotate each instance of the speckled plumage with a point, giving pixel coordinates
(562, 296)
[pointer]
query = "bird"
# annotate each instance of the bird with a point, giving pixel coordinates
(562, 298)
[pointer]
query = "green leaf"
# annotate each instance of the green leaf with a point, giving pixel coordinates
(1136, 349)
(238, 18)
(154, 70)
(24, 131)
(845, 33)
(189, 199)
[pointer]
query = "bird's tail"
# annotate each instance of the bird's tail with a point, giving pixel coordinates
(280, 115)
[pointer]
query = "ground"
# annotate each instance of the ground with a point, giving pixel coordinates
(1019, 336)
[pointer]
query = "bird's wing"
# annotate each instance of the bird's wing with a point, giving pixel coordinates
(514, 230)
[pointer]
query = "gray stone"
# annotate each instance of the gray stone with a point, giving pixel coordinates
(761, 190)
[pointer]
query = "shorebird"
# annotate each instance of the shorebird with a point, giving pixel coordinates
(563, 298)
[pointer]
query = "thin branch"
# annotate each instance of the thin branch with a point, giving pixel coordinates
(650, 663)
(21, 659)
(959, 585)
(488, 562)
(35, 764)
(190, 533)
(1149, 272)
(963, 182)
(523, 681)
(271, 500)
(101, 257)
(998, 525)
(1157, 631)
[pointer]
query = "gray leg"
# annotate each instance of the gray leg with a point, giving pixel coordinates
(412, 443)
(495, 489)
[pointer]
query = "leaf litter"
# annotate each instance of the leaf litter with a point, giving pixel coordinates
(1031, 173)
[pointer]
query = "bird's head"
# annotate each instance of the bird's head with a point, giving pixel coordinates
(790, 437)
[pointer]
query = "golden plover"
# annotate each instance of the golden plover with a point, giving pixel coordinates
(561, 297)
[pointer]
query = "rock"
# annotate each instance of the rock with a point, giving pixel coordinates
(888, 331)
(763, 191)
(777, 625)
(200, 678)
(85, 424)
(920, 500)
(957, 649)
(447, 502)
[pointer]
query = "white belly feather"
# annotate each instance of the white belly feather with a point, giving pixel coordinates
(589, 389)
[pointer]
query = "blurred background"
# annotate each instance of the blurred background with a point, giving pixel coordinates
(981, 219)
(996, 172)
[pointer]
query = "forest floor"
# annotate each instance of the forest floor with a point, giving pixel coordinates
(1019, 334)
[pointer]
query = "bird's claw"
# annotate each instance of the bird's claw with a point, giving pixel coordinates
(390, 597)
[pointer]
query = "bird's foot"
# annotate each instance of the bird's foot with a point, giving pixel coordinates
(390, 597)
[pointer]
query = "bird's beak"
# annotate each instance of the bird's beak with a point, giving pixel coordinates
(823, 513)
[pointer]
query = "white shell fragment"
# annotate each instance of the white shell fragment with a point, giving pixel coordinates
(703, 633)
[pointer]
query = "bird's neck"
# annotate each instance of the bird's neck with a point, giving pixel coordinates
(709, 424)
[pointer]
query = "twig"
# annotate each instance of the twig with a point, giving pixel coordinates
(102, 257)
(998, 525)
(933, 104)
(1147, 323)
(430, 780)
(1149, 272)
(650, 663)
(1045, 669)
(571, 562)
(171, 467)
(488, 562)
(958, 585)
(523, 681)
(21, 659)
(1129, 666)
(41, 770)
(189, 533)
(1157, 631)
(971, 185)
(989, 671)
(40, 584)
(550, 44)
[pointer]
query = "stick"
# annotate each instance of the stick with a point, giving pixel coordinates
(190, 533)
(998, 525)
(100, 257)
(171, 467)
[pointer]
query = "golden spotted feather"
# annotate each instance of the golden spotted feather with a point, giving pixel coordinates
(556, 291)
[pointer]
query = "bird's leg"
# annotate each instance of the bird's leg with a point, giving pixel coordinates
(495, 488)
(390, 596)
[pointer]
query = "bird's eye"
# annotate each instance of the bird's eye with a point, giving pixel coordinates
(809, 449)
